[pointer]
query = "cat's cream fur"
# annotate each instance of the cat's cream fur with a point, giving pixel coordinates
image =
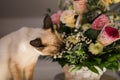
(18, 56)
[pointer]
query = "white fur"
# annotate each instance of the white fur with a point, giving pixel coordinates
(16, 46)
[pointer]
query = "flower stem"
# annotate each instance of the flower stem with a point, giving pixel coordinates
(78, 24)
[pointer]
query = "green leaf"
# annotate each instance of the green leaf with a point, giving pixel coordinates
(98, 60)
(92, 34)
(75, 68)
(65, 29)
(93, 69)
(113, 57)
(62, 62)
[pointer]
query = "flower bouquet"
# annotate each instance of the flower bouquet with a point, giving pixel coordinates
(90, 32)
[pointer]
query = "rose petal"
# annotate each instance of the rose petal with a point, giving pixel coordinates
(112, 32)
(100, 22)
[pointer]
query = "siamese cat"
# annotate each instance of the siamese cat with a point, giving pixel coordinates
(19, 50)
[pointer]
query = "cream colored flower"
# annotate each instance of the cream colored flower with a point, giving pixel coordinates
(85, 27)
(73, 39)
(68, 19)
(95, 48)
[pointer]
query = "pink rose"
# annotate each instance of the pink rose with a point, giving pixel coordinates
(100, 22)
(79, 6)
(56, 18)
(108, 35)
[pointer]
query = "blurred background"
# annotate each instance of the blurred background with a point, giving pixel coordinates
(15, 14)
(25, 8)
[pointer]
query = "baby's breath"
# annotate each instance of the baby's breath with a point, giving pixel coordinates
(72, 42)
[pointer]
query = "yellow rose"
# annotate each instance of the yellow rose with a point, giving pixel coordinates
(67, 17)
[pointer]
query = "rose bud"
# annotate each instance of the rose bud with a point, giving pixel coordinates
(56, 18)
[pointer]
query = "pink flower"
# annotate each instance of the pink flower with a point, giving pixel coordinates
(79, 6)
(56, 18)
(100, 22)
(108, 35)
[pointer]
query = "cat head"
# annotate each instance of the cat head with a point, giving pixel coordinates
(50, 43)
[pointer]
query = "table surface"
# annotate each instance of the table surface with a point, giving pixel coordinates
(61, 76)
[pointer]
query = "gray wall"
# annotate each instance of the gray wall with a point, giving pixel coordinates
(15, 14)
(25, 8)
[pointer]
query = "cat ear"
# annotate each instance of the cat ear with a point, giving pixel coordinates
(48, 24)
(37, 43)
